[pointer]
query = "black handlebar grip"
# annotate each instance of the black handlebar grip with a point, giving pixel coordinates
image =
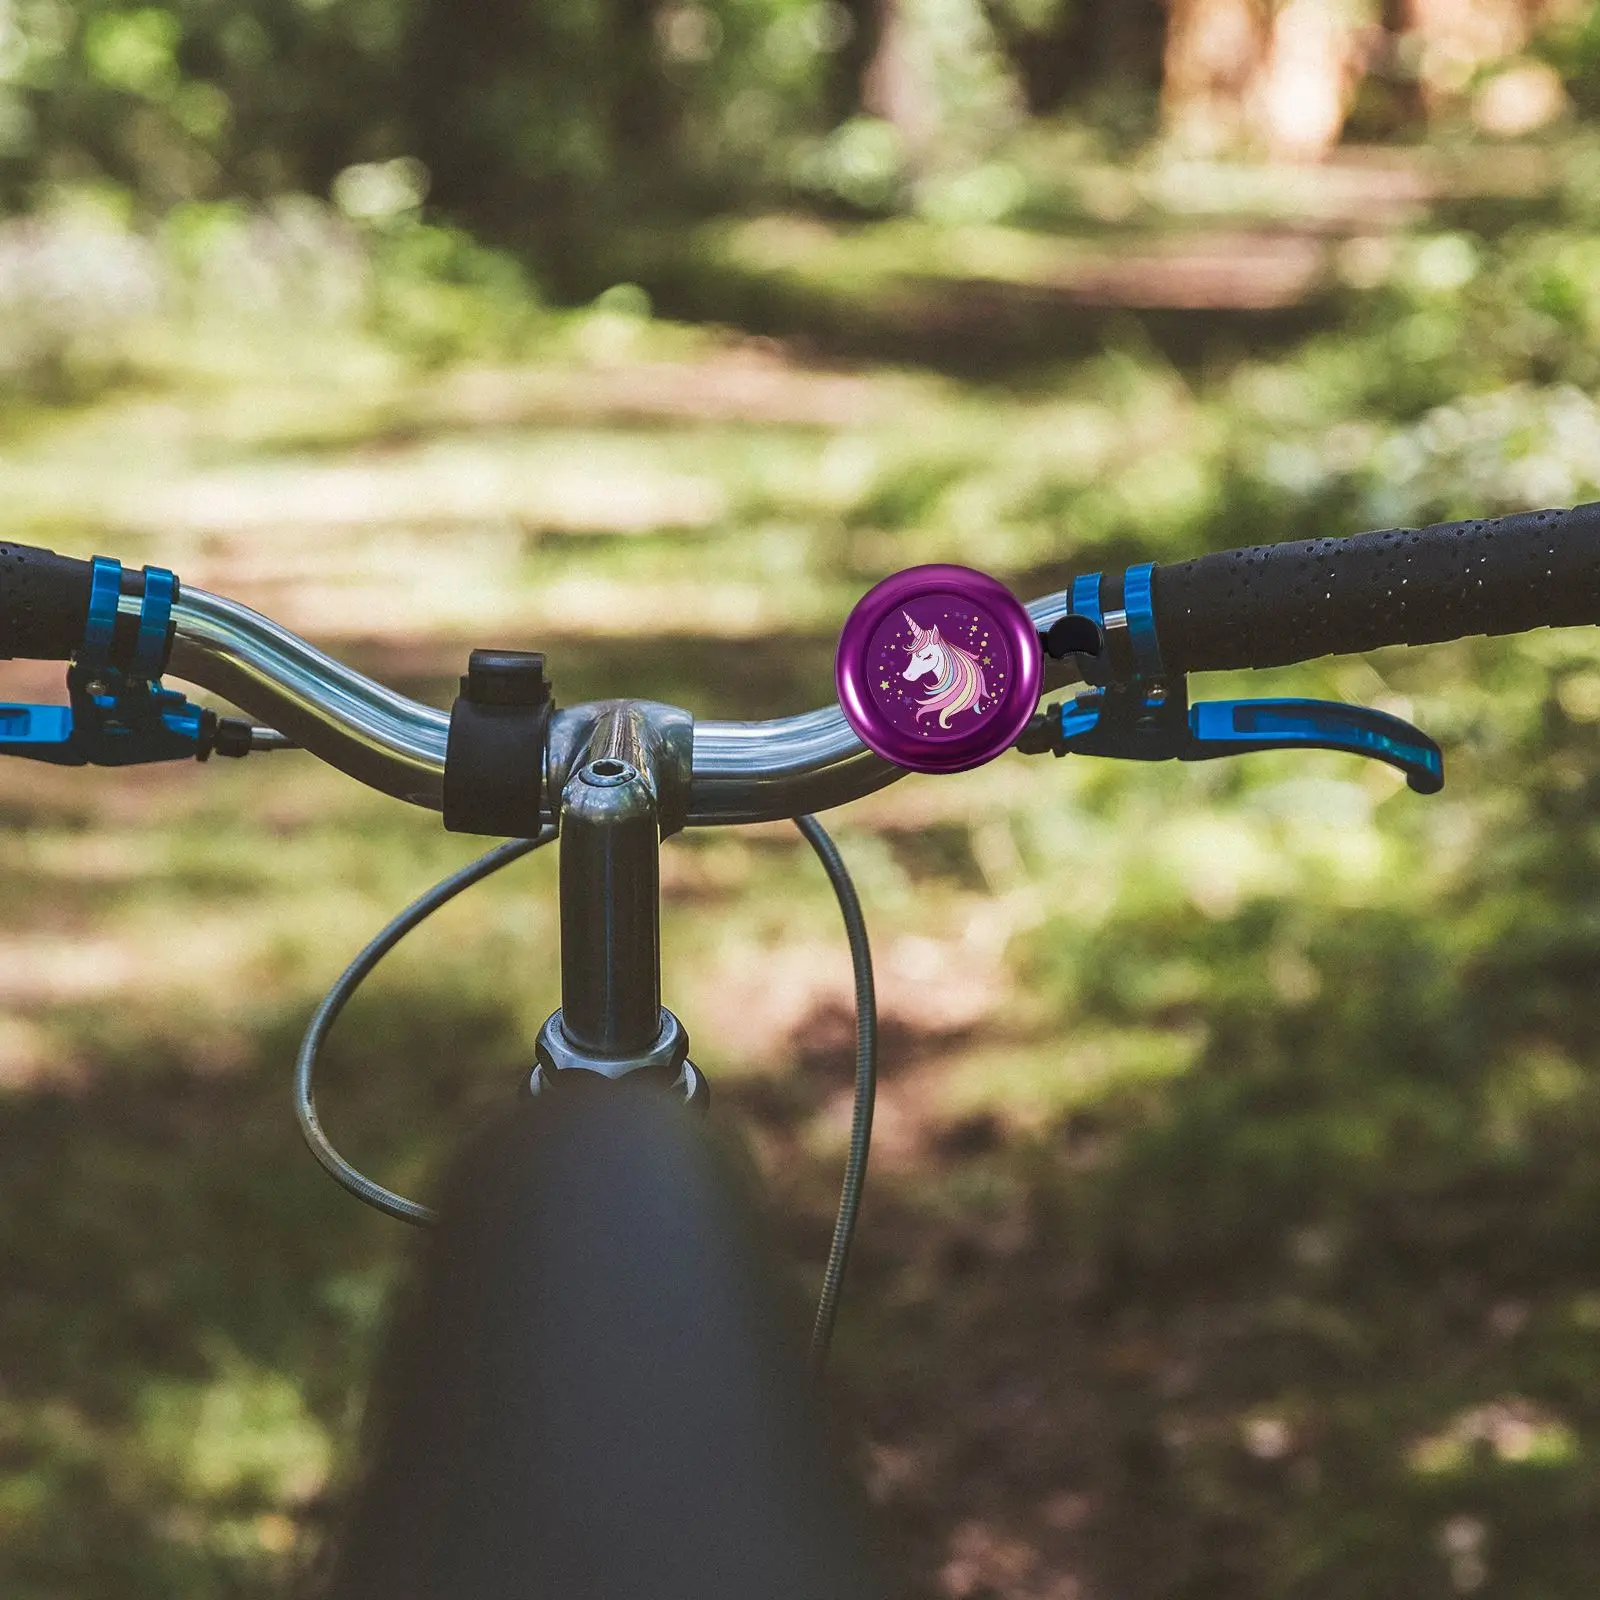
(1273, 604)
(44, 603)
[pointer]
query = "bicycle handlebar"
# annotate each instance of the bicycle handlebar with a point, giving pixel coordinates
(1268, 605)
(1272, 605)
(742, 771)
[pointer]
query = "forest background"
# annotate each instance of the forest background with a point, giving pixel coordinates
(1232, 1229)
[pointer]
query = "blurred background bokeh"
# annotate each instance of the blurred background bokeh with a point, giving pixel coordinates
(1234, 1229)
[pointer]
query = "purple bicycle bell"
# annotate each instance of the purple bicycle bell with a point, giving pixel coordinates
(938, 668)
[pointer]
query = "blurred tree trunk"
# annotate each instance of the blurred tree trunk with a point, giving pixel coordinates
(1395, 80)
(1318, 53)
(899, 85)
(642, 123)
(941, 77)
(1280, 76)
(1125, 39)
(1081, 46)
(1213, 58)
(846, 85)
(455, 51)
(1454, 38)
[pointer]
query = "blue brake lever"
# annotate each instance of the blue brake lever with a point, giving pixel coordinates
(1231, 727)
(1141, 713)
(1170, 731)
(128, 722)
(35, 732)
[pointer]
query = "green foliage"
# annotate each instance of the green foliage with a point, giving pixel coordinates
(186, 101)
(440, 296)
(545, 124)
(1571, 43)
(89, 302)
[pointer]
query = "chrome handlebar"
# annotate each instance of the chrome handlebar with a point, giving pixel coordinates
(742, 771)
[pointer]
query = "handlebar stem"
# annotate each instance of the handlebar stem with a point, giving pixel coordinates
(611, 819)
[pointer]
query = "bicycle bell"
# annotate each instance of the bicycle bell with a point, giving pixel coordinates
(938, 668)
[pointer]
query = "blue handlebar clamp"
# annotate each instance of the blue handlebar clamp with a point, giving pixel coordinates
(1137, 712)
(119, 715)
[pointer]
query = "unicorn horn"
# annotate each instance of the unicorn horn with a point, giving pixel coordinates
(916, 626)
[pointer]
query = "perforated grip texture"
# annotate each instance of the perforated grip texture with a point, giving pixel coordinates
(44, 603)
(1266, 606)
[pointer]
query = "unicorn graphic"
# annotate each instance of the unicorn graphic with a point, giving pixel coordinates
(959, 682)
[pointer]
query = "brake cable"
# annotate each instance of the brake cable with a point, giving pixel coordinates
(855, 1171)
(351, 979)
(420, 909)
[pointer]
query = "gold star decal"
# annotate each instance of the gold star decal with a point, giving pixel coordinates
(883, 683)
